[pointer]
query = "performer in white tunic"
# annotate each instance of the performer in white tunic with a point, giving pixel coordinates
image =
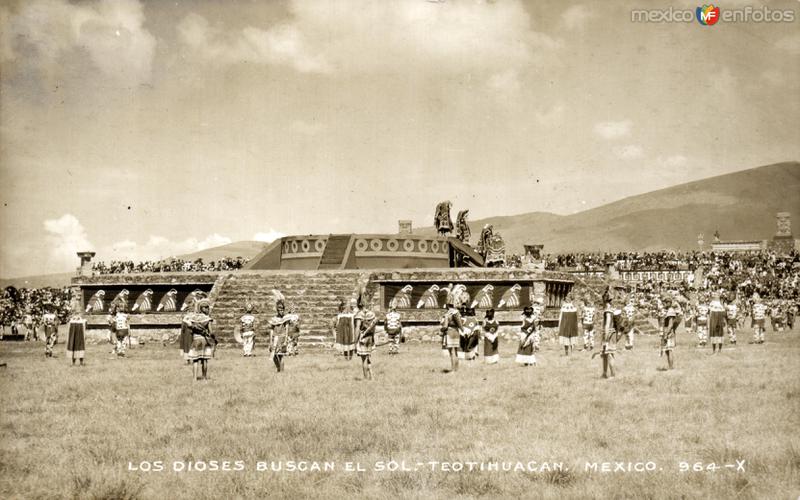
(394, 329)
(120, 328)
(630, 313)
(701, 321)
(568, 325)
(50, 321)
(587, 321)
(490, 326)
(731, 317)
(759, 319)
(245, 331)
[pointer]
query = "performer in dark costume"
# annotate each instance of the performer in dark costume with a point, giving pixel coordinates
(203, 339)
(442, 221)
(76, 341)
(568, 325)
(716, 323)
(668, 330)
(343, 331)
(527, 338)
(472, 334)
(463, 232)
(452, 326)
(490, 326)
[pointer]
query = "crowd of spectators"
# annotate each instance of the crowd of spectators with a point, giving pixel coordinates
(26, 306)
(168, 266)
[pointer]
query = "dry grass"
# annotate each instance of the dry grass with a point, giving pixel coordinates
(71, 432)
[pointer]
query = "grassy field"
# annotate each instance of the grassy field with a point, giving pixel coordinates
(77, 432)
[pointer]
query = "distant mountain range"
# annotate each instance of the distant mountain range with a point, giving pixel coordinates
(741, 206)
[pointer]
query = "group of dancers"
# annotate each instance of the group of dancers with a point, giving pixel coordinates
(354, 329)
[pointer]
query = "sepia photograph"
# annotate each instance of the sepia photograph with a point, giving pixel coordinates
(413, 249)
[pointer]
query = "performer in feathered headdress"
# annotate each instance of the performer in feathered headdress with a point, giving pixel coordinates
(452, 325)
(442, 221)
(463, 232)
(143, 303)
(366, 322)
(668, 331)
(203, 340)
(245, 331)
(120, 326)
(283, 327)
(394, 329)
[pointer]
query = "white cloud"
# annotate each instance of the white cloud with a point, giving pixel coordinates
(269, 236)
(629, 152)
(364, 36)
(613, 130)
(65, 236)
(110, 32)
(576, 17)
(158, 247)
(280, 45)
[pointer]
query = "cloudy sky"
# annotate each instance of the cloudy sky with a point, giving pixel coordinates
(149, 128)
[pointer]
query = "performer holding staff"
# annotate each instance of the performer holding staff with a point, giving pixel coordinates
(120, 328)
(608, 347)
(366, 340)
(668, 329)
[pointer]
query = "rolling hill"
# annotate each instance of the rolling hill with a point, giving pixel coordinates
(741, 206)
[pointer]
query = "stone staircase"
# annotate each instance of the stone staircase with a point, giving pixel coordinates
(335, 250)
(314, 295)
